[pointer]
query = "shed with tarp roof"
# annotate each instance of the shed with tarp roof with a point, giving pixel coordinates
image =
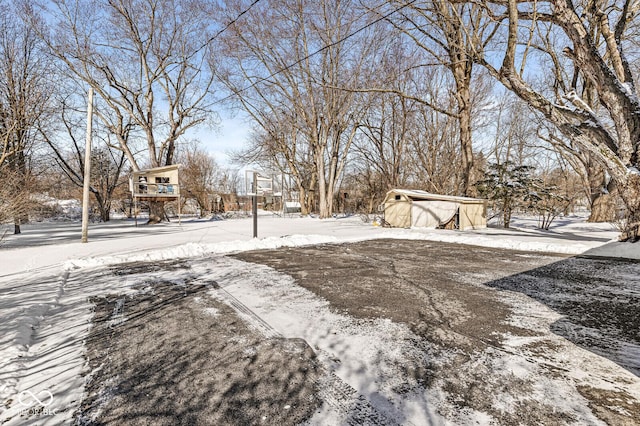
(406, 208)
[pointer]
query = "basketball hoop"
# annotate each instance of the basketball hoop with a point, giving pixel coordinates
(263, 184)
(257, 185)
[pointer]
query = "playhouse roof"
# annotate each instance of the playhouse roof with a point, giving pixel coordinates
(158, 169)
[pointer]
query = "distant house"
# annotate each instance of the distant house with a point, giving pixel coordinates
(405, 208)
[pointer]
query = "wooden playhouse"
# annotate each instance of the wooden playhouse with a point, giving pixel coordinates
(404, 208)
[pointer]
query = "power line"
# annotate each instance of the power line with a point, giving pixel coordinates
(323, 48)
(233, 21)
(226, 27)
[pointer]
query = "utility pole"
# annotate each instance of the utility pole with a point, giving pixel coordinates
(254, 206)
(87, 170)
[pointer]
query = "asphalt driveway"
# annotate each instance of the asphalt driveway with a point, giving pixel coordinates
(466, 333)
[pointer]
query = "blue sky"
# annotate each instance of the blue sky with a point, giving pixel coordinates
(232, 134)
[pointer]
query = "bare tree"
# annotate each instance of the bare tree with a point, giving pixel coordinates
(406, 143)
(200, 176)
(145, 60)
(382, 146)
(277, 144)
(380, 154)
(596, 185)
(434, 150)
(514, 131)
(449, 32)
(566, 78)
(16, 201)
(290, 63)
(66, 143)
(611, 135)
(24, 102)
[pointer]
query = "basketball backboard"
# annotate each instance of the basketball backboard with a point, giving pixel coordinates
(263, 184)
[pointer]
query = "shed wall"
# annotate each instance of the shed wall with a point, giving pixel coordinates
(398, 213)
(473, 216)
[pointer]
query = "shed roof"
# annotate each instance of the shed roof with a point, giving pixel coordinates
(417, 194)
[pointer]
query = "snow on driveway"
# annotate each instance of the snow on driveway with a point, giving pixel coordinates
(46, 278)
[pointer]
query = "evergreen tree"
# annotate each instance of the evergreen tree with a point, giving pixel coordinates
(506, 185)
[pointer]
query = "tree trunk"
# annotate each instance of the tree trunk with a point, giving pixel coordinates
(302, 199)
(325, 201)
(630, 194)
(463, 97)
(311, 200)
(603, 202)
(103, 206)
(156, 212)
(506, 214)
(16, 229)
(462, 68)
(322, 185)
(105, 213)
(603, 208)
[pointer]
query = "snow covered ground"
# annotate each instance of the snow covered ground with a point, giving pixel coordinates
(47, 276)
(48, 245)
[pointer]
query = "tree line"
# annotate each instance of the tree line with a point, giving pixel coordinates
(344, 96)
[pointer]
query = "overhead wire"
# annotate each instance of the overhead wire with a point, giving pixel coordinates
(310, 55)
(233, 21)
(226, 27)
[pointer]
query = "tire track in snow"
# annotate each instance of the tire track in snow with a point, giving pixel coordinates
(335, 393)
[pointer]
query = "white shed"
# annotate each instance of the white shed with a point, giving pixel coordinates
(405, 208)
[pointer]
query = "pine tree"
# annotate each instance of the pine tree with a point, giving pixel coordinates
(507, 185)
